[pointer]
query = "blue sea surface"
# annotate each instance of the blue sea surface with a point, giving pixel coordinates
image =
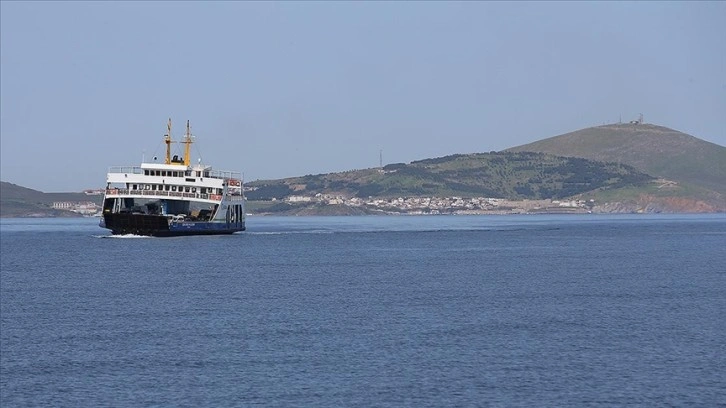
(396, 311)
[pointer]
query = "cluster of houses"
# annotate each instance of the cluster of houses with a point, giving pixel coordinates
(447, 205)
(86, 208)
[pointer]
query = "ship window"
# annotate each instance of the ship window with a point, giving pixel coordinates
(146, 172)
(199, 173)
(173, 188)
(186, 189)
(133, 187)
(148, 187)
(166, 187)
(194, 189)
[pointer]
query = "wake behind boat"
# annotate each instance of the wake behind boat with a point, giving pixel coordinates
(173, 198)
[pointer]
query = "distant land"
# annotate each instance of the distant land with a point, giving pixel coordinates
(18, 201)
(652, 149)
(617, 168)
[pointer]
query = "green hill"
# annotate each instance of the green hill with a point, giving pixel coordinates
(18, 201)
(502, 175)
(655, 150)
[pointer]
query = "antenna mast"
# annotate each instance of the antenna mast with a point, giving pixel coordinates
(380, 158)
(167, 140)
(187, 145)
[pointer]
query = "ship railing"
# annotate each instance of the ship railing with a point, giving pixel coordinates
(126, 169)
(225, 175)
(214, 197)
(214, 174)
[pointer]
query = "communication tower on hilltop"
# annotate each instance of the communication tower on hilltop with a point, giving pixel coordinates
(639, 121)
(380, 158)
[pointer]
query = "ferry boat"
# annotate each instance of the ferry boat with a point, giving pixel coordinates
(173, 198)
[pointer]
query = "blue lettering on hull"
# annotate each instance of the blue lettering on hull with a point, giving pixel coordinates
(205, 227)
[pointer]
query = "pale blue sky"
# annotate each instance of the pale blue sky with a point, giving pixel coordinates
(293, 88)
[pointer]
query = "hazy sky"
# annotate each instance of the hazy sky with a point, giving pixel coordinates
(293, 88)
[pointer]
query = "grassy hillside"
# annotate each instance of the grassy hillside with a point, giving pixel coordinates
(655, 150)
(18, 201)
(502, 175)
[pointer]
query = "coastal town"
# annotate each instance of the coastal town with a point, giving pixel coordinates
(400, 205)
(86, 208)
(445, 205)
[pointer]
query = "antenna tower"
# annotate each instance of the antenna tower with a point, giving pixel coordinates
(380, 158)
(168, 141)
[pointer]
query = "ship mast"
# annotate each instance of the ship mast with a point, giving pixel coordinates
(187, 145)
(167, 140)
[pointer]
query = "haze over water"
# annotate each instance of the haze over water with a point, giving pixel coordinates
(367, 311)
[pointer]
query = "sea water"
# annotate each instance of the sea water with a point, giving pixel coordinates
(578, 310)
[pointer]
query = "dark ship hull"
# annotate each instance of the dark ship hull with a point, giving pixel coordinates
(161, 226)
